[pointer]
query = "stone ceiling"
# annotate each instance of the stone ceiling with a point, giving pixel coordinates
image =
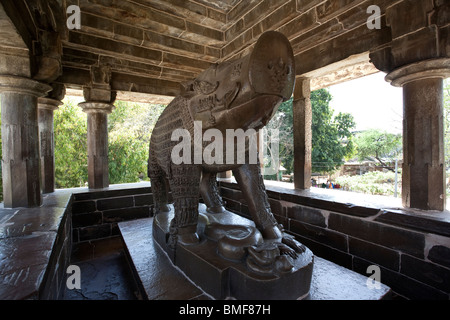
(153, 45)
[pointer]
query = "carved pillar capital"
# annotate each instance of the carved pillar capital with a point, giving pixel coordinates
(48, 103)
(14, 84)
(433, 68)
(99, 88)
(96, 107)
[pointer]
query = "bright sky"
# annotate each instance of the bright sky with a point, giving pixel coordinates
(373, 102)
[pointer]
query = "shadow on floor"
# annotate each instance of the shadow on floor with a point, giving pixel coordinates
(105, 272)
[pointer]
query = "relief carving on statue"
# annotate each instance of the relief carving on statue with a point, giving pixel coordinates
(241, 94)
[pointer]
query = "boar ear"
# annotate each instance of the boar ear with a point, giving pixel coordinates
(205, 87)
(187, 88)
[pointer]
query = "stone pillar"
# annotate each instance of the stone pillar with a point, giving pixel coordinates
(423, 181)
(46, 106)
(224, 176)
(97, 141)
(302, 114)
(99, 103)
(20, 141)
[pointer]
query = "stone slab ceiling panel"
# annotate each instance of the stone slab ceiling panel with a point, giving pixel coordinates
(153, 45)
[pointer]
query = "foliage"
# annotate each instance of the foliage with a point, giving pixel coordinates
(377, 145)
(70, 136)
(283, 122)
(332, 140)
(380, 183)
(130, 126)
(129, 129)
(331, 136)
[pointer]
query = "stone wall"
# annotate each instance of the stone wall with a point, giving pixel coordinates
(35, 249)
(96, 214)
(412, 248)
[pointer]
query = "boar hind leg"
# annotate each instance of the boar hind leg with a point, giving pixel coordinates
(210, 193)
(159, 186)
(184, 182)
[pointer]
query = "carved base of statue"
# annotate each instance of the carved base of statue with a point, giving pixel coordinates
(231, 259)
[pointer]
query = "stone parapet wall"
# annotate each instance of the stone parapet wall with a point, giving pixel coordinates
(96, 214)
(411, 248)
(35, 249)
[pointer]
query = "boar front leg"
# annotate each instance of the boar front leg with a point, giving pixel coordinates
(251, 183)
(250, 180)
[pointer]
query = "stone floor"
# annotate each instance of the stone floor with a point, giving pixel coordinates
(105, 273)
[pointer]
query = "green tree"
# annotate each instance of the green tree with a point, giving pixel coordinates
(130, 126)
(129, 130)
(331, 136)
(332, 140)
(283, 122)
(70, 132)
(378, 145)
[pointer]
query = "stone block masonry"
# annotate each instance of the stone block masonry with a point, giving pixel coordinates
(96, 214)
(36, 243)
(411, 247)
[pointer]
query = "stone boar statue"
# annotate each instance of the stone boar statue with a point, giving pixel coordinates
(240, 94)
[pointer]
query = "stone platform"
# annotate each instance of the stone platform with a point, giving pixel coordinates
(222, 277)
(159, 278)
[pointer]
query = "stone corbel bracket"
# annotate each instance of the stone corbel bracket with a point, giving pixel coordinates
(98, 94)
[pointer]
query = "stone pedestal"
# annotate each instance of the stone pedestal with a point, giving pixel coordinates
(302, 114)
(97, 139)
(20, 141)
(46, 107)
(423, 183)
(224, 277)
